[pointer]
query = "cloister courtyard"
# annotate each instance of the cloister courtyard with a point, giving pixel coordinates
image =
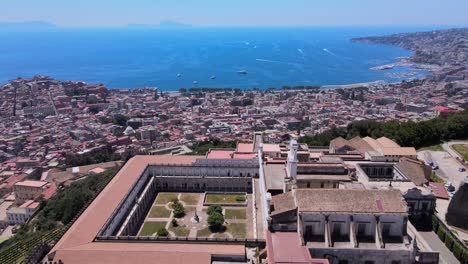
(236, 209)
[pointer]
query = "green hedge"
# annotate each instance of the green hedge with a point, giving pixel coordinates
(464, 260)
(449, 241)
(435, 222)
(457, 251)
(441, 233)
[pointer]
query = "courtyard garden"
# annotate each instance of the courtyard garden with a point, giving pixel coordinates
(185, 215)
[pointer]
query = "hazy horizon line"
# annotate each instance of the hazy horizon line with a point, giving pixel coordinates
(137, 25)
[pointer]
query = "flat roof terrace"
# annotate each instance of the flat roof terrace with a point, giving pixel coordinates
(78, 245)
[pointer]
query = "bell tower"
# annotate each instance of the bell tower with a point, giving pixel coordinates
(292, 159)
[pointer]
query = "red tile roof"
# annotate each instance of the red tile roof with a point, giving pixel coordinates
(439, 190)
(244, 156)
(219, 154)
(244, 147)
(285, 247)
(49, 192)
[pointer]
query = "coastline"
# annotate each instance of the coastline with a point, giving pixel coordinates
(406, 62)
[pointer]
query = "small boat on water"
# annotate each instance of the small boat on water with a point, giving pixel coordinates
(195, 82)
(213, 77)
(179, 75)
(242, 72)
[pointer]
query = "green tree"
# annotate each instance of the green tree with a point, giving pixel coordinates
(215, 221)
(162, 232)
(178, 209)
(120, 120)
(214, 208)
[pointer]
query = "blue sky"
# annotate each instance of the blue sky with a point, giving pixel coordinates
(238, 12)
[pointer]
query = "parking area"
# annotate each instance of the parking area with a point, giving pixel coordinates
(449, 171)
(448, 166)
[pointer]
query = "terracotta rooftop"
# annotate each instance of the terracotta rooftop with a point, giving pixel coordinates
(339, 142)
(244, 156)
(244, 148)
(360, 145)
(285, 247)
(282, 203)
(271, 148)
(219, 154)
(29, 183)
(415, 170)
(350, 201)
(78, 245)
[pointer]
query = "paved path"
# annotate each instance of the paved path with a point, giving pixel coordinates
(259, 217)
(199, 208)
(445, 257)
(448, 147)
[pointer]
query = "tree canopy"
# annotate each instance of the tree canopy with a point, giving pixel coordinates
(410, 134)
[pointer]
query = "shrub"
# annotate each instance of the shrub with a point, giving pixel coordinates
(215, 221)
(214, 209)
(178, 209)
(441, 233)
(162, 232)
(240, 198)
(435, 223)
(174, 223)
(464, 259)
(449, 241)
(457, 250)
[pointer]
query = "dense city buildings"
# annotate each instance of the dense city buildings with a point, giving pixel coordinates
(214, 175)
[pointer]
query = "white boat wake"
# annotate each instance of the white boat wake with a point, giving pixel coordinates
(265, 60)
(329, 52)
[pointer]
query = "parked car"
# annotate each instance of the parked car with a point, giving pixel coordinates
(451, 188)
(461, 169)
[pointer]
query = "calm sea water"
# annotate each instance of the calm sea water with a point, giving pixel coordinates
(273, 57)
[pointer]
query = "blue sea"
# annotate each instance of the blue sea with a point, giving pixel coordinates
(173, 58)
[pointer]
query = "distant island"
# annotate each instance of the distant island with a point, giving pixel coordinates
(26, 25)
(162, 24)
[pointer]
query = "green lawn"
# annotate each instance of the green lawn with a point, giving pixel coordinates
(436, 147)
(462, 149)
(224, 198)
(205, 232)
(190, 198)
(179, 231)
(159, 212)
(237, 230)
(164, 198)
(221, 235)
(150, 228)
(235, 214)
